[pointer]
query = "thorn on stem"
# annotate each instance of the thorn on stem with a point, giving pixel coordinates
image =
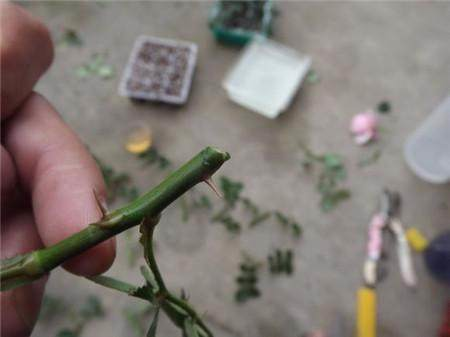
(100, 203)
(213, 186)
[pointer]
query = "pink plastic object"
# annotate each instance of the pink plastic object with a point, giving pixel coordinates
(375, 242)
(364, 127)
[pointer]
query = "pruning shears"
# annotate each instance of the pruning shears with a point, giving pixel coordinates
(387, 218)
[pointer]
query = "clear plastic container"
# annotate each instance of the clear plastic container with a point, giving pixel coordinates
(266, 77)
(427, 150)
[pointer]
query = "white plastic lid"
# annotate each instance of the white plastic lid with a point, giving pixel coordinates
(266, 76)
(427, 150)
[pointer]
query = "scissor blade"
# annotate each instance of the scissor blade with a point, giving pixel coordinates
(404, 254)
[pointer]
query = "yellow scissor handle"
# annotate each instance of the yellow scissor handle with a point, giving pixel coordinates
(366, 321)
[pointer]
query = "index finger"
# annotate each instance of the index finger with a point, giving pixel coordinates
(61, 176)
(26, 51)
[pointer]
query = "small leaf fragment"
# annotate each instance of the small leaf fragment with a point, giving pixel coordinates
(332, 199)
(281, 261)
(95, 66)
(70, 37)
(152, 330)
(189, 328)
(247, 281)
(112, 283)
(51, 307)
(296, 230)
(92, 308)
(312, 77)
(371, 159)
(384, 107)
(333, 171)
(231, 190)
(332, 161)
(82, 71)
(105, 71)
(67, 333)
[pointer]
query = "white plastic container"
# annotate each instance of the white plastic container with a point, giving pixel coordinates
(266, 77)
(427, 150)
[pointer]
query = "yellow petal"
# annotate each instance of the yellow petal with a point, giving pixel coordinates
(139, 139)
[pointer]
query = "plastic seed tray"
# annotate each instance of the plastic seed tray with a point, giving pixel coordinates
(159, 70)
(241, 29)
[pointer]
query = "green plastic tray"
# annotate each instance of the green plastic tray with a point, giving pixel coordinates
(239, 36)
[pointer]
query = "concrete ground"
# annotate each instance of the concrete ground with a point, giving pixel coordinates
(363, 52)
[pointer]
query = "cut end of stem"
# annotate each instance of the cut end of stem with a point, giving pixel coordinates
(214, 155)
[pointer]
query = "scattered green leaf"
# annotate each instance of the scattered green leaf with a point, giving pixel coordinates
(258, 216)
(312, 77)
(384, 107)
(203, 202)
(105, 71)
(70, 37)
(258, 219)
(288, 223)
(52, 307)
(118, 184)
(152, 156)
(231, 190)
(297, 230)
(92, 308)
(95, 66)
(282, 219)
(371, 159)
(231, 224)
(67, 333)
(191, 201)
(332, 172)
(281, 262)
(333, 198)
(82, 72)
(247, 281)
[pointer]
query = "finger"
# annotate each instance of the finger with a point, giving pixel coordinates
(60, 174)
(8, 174)
(21, 305)
(26, 51)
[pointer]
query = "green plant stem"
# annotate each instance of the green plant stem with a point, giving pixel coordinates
(168, 300)
(23, 269)
(177, 309)
(150, 256)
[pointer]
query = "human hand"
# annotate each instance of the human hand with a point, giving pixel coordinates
(48, 178)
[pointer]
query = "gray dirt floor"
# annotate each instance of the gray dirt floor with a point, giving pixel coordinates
(363, 52)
